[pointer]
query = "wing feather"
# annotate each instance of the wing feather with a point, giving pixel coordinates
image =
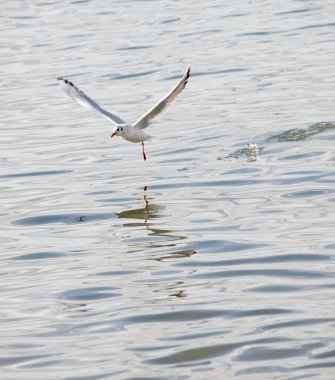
(158, 110)
(85, 101)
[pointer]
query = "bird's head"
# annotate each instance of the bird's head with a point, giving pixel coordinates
(118, 130)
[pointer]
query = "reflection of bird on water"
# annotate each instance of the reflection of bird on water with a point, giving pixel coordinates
(154, 211)
(149, 211)
(146, 202)
(130, 132)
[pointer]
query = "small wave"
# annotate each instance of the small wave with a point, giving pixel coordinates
(300, 134)
(62, 218)
(251, 150)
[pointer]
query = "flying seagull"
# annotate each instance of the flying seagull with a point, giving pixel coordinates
(130, 132)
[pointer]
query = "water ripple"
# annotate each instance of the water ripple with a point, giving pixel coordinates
(62, 218)
(36, 173)
(209, 352)
(212, 259)
(89, 294)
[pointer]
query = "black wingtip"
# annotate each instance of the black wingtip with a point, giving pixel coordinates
(63, 80)
(187, 74)
(66, 81)
(188, 71)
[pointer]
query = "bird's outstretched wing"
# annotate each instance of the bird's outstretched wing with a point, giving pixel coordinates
(158, 110)
(81, 98)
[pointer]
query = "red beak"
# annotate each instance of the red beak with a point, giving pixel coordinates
(113, 134)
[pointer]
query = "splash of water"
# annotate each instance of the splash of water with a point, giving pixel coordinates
(250, 151)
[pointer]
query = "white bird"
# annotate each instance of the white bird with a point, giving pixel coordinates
(130, 132)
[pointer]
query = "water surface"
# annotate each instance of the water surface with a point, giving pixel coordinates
(210, 259)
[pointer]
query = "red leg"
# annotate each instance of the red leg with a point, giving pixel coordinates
(144, 156)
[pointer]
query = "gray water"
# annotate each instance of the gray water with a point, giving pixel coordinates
(223, 267)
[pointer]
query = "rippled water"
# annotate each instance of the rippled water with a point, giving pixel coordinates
(213, 259)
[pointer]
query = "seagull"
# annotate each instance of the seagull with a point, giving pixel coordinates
(130, 132)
